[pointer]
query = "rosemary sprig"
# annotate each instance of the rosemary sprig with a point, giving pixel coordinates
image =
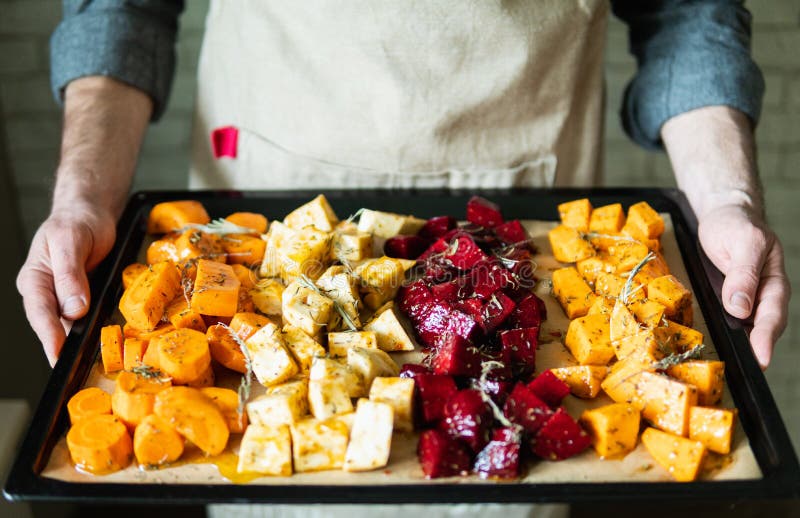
(352, 217)
(597, 235)
(676, 358)
(220, 227)
(628, 287)
(246, 384)
(304, 281)
(149, 372)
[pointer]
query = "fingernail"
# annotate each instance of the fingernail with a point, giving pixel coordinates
(72, 305)
(741, 302)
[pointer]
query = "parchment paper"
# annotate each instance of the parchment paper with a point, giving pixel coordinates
(403, 466)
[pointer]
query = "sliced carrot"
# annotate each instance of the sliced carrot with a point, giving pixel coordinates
(182, 316)
(156, 443)
(88, 402)
(216, 289)
(246, 324)
(246, 276)
(251, 220)
(173, 215)
(183, 355)
(206, 379)
(244, 249)
(195, 417)
(224, 349)
(128, 331)
(111, 348)
(150, 358)
(131, 272)
(193, 244)
(134, 395)
(163, 250)
(227, 401)
(133, 352)
(144, 302)
(100, 444)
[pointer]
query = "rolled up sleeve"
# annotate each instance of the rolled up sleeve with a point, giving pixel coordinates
(132, 41)
(690, 54)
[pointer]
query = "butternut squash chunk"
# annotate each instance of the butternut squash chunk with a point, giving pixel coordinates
(216, 289)
(88, 402)
(583, 380)
(608, 219)
(645, 220)
(194, 416)
(244, 249)
(707, 376)
(713, 427)
(669, 291)
(614, 429)
(681, 457)
(156, 443)
(574, 295)
(587, 339)
(627, 254)
(680, 338)
(163, 250)
(647, 312)
(182, 316)
(247, 277)
(576, 214)
(173, 215)
(143, 304)
(246, 324)
(183, 355)
(602, 306)
(134, 395)
(111, 348)
(653, 269)
(591, 266)
(194, 244)
(568, 246)
(100, 444)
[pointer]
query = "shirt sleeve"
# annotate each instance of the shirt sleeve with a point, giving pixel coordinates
(690, 54)
(132, 41)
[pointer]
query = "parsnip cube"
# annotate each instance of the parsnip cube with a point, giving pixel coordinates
(303, 347)
(341, 287)
(348, 247)
(380, 280)
(271, 360)
(340, 343)
(266, 295)
(371, 437)
(285, 403)
(328, 397)
(371, 363)
(266, 450)
(319, 445)
(278, 235)
(317, 213)
(387, 224)
(390, 332)
(325, 368)
(399, 393)
(305, 254)
(308, 311)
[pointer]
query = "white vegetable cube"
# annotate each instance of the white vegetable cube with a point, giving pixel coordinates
(387, 224)
(370, 438)
(308, 311)
(282, 404)
(390, 332)
(329, 397)
(319, 445)
(317, 213)
(267, 296)
(326, 368)
(341, 287)
(399, 393)
(380, 280)
(340, 343)
(347, 247)
(371, 363)
(303, 347)
(305, 254)
(278, 235)
(270, 358)
(266, 450)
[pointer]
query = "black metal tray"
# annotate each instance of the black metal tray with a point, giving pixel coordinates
(757, 410)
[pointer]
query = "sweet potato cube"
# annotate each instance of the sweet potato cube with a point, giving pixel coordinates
(340, 343)
(303, 347)
(669, 291)
(216, 289)
(614, 428)
(194, 244)
(143, 304)
(647, 312)
(574, 295)
(266, 449)
(679, 337)
(568, 245)
(707, 376)
(317, 213)
(182, 316)
(319, 445)
(583, 380)
(173, 215)
(163, 250)
(713, 427)
(681, 457)
(271, 360)
(399, 394)
(576, 214)
(646, 220)
(244, 249)
(111, 344)
(251, 220)
(588, 341)
(131, 272)
(608, 219)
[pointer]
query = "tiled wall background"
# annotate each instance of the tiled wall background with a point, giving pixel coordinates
(31, 121)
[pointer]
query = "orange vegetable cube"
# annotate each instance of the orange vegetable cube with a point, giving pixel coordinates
(256, 222)
(679, 338)
(88, 402)
(576, 214)
(194, 244)
(246, 324)
(216, 289)
(131, 272)
(622, 322)
(133, 352)
(111, 348)
(144, 302)
(244, 249)
(713, 427)
(583, 380)
(669, 291)
(645, 220)
(681, 457)
(647, 312)
(707, 376)
(568, 245)
(608, 219)
(227, 401)
(246, 276)
(591, 266)
(587, 340)
(162, 250)
(155, 442)
(602, 306)
(628, 254)
(224, 348)
(574, 295)
(643, 344)
(182, 316)
(174, 215)
(653, 269)
(614, 428)
(129, 331)
(134, 395)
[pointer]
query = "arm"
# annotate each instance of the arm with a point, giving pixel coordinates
(104, 123)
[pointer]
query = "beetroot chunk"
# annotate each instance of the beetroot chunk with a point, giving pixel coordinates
(405, 247)
(549, 388)
(500, 458)
(560, 438)
(440, 245)
(522, 345)
(487, 277)
(433, 391)
(467, 417)
(496, 389)
(525, 409)
(456, 356)
(451, 291)
(495, 311)
(511, 232)
(484, 213)
(530, 312)
(437, 227)
(464, 253)
(441, 455)
(412, 370)
(413, 298)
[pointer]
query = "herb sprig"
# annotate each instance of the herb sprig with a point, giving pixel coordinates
(304, 281)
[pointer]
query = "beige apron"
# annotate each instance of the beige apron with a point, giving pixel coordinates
(386, 93)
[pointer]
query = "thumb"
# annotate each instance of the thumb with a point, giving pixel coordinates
(69, 250)
(743, 275)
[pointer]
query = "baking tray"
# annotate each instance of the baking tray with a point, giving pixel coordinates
(758, 413)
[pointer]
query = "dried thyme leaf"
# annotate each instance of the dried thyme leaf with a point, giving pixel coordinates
(677, 358)
(220, 227)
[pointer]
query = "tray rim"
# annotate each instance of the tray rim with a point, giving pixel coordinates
(762, 422)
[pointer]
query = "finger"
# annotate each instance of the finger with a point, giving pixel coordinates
(69, 250)
(770, 317)
(41, 309)
(747, 255)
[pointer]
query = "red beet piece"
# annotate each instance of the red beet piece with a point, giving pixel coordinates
(549, 388)
(437, 227)
(530, 312)
(412, 370)
(467, 417)
(464, 253)
(495, 311)
(496, 389)
(560, 438)
(440, 245)
(484, 213)
(405, 247)
(433, 391)
(500, 458)
(456, 356)
(451, 291)
(413, 298)
(521, 344)
(487, 277)
(432, 321)
(440, 455)
(472, 306)
(525, 409)
(511, 232)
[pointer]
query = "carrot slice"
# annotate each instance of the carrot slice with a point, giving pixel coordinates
(143, 303)
(227, 401)
(111, 348)
(88, 402)
(134, 395)
(195, 417)
(133, 352)
(131, 272)
(193, 244)
(246, 276)
(244, 249)
(183, 355)
(100, 444)
(224, 349)
(155, 442)
(251, 220)
(173, 215)
(182, 316)
(206, 379)
(128, 331)
(246, 324)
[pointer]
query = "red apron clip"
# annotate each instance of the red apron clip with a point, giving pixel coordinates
(224, 141)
